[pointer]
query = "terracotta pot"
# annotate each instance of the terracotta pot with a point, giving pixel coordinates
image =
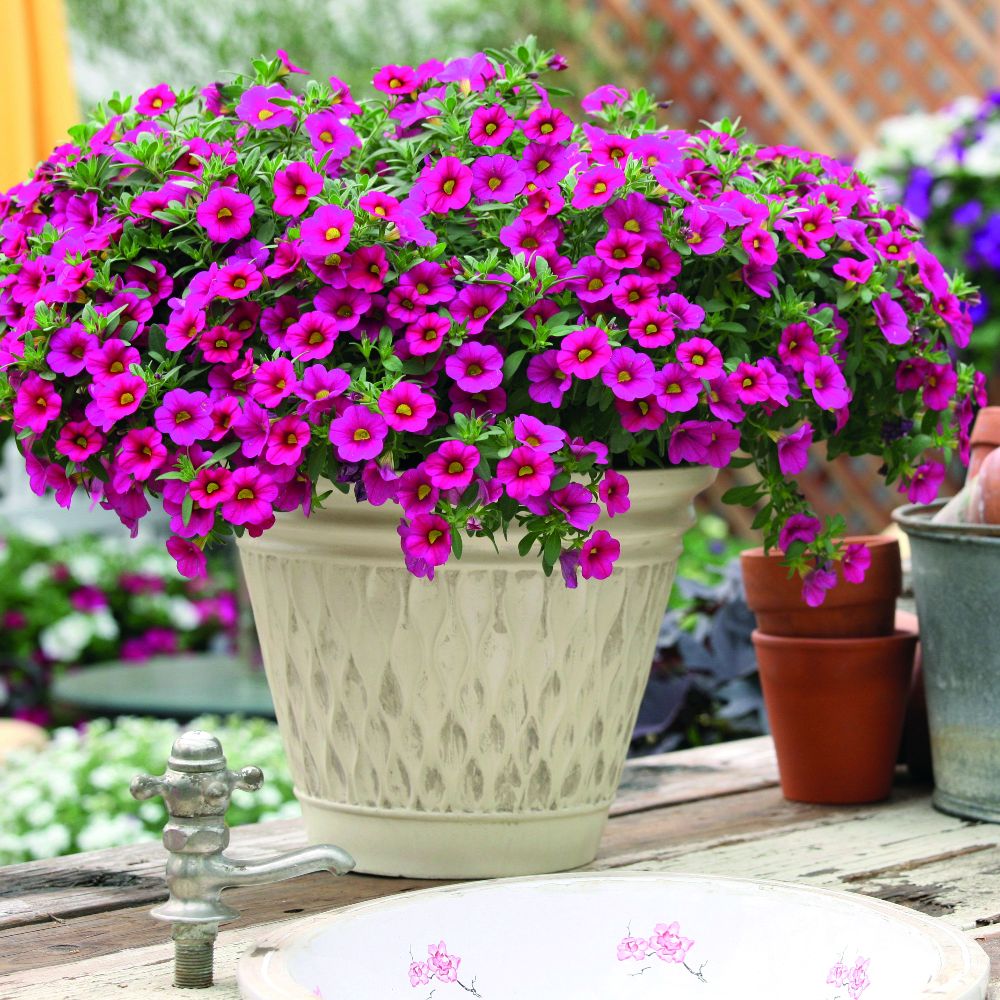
(985, 436)
(989, 488)
(836, 709)
(850, 609)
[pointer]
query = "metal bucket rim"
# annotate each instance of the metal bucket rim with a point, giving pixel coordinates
(915, 519)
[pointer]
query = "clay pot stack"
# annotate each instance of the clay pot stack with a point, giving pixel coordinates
(835, 678)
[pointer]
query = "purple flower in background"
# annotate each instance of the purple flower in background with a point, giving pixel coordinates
(815, 584)
(917, 196)
(793, 450)
(798, 528)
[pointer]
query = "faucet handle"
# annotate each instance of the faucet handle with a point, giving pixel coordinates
(197, 782)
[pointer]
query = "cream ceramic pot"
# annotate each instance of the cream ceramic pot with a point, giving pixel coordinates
(469, 727)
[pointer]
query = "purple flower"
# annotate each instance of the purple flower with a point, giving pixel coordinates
(923, 485)
(857, 559)
(257, 107)
(577, 504)
(798, 528)
(793, 450)
(598, 556)
(184, 417)
(358, 434)
(497, 178)
(225, 215)
(447, 185)
(827, 383)
(891, 319)
(815, 584)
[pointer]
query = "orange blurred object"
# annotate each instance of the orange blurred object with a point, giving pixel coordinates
(37, 99)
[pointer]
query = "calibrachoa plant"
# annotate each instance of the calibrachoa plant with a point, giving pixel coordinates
(455, 298)
(74, 794)
(90, 599)
(944, 168)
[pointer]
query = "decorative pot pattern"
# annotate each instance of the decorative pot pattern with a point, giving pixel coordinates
(471, 726)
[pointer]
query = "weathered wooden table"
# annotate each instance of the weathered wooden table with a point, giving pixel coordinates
(79, 927)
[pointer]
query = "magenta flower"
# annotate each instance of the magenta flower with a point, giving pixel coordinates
(940, 384)
(406, 408)
(701, 358)
(113, 357)
(141, 453)
(476, 305)
(652, 327)
(584, 352)
(367, 269)
(36, 405)
(490, 126)
(396, 80)
(620, 249)
(258, 107)
(312, 337)
(798, 346)
(156, 101)
(597, 186)
(815, 584)
(184, 326)
(827, 382)
(294, 186)
(798, 528)
(750, 383)
(319, 389)
(723, 440)
(676, 390)
(358, 434)
(417, 493)
(426, 334)
(115, 398)
(793, 450)
(225, 215)
(428, 538)
(598, 556)
(857, 559)
(548, 382)
(345, 306)
(760, 279)
(577, 505)
(184, 416)
(536, 434)
(613, 492)
(475, 367)
(330, 136)
(891, 319)
(923, 485)
(447, 185)
(326, 232)
(236, 280)
(548, 124)
(220, 345)
(596, 100)
(497, 178)
(78, 440)
(451, 467)
(854, 272)
(526, 472)
(689, 442)
(628, 374)
(252, 427)
(760, 245)
(634, 293)
(273, 381)
(190, 558)
(68, 349)
(212, 486)
(640, 414)
(705, 232)
(687, 315)
(253, 494)
(287, 440)
(428, 283)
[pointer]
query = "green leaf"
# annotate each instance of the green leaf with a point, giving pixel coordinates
(512, 363)
(742, 496)
(551, 550)
(187, 508)
(524, 545)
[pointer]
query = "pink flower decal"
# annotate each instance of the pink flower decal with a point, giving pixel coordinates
(665, 943)
(854, 979)
(440, 967)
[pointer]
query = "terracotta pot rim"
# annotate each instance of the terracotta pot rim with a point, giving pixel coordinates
(897, 636)
(986, 429)
(872, 541)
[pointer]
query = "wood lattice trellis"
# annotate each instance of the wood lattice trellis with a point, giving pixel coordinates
(820, 73)
(817, 73)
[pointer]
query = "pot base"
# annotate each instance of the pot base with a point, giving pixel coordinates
(404, 842)
(953, 805)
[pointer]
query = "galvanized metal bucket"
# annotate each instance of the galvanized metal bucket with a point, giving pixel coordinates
(956, 582)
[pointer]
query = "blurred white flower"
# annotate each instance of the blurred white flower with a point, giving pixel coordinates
(87, 567)
(104, 624)
(183, 614)
(64, 640)
(34, 576)
(47, 843)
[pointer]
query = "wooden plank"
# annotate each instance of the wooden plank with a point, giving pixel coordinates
(699, 773)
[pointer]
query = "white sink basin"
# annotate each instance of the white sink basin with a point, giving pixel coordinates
(620, 936)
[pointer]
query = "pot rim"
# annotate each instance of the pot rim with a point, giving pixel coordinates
(872, 541)
(898, 636)
(915, 520)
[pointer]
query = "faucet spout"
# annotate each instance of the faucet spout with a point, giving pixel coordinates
(229, 873)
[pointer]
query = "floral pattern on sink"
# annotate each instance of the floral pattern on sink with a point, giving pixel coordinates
(852, 979)
(440, 967)
(666, 943)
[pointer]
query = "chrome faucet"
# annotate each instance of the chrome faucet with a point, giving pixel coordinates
(196, 787)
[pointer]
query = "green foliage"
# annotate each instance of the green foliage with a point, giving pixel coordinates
(74, 795)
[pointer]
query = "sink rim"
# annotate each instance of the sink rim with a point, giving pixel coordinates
(262, 973)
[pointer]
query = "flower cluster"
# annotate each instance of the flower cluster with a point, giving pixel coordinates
(74, 794)
(944, 167)
(440, 966)
(854, 978)
(90, 599)
(665, 943)
(458, 299)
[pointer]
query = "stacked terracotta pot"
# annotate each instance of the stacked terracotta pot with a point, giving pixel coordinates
(835, 678)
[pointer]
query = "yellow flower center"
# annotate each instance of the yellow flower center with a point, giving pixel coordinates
(245, 494)
(404, 410)
(360, 434)
(433, 535)
(125, 398)
(448, 187)
(454, 468)
(600, 187)
(583, 353)
(333, 233)
(423, 491)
